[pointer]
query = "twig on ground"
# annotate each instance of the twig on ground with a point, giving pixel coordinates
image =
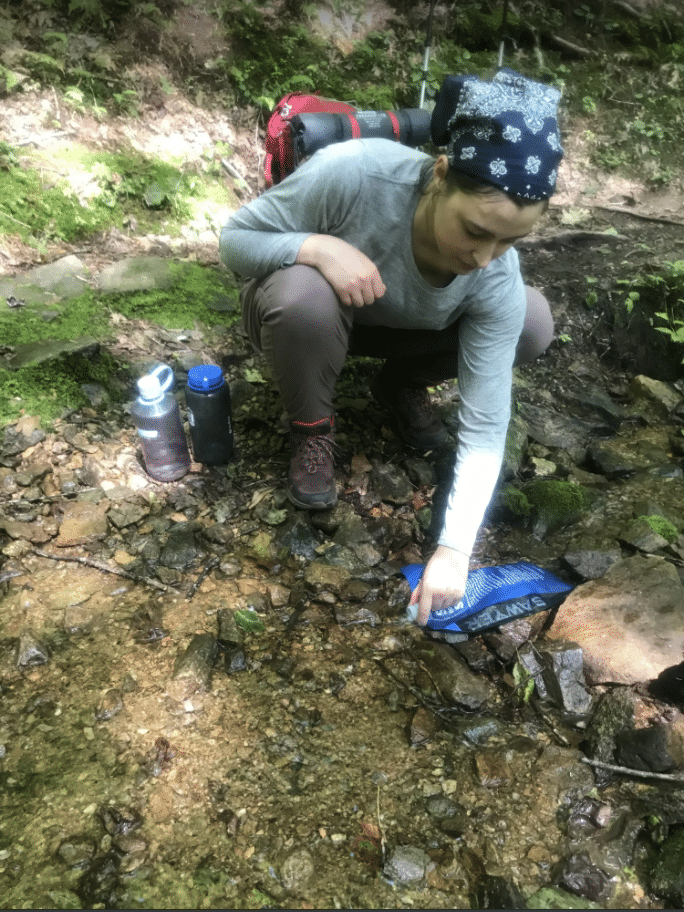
(206, 570)
(573, 48)
(104, 568)
(534, 703)
(638, 215)
(12, 219)
(627, 771)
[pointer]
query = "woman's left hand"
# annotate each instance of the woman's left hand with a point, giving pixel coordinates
(442, 583)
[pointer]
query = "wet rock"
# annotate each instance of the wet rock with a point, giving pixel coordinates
(20, 436)
(76, 851)
(586, 816)
(454, 681)
(146, 624)
(590, 565)
(391, 484)
(26, 531)
(421, 472)
(592, 398)
(553, 429)
(424, 727)
(235, 661)
(406, 865)
(657, 748)
(82, 522)
(119, 821)
(667, 874)
(30, 651)
(618, 621)
(229, 633)
(496, 892)
(578, 875)
(127, 514)
(615, 458)
(479, 731)
(640, 534)
(660, 396)
(74, 587)
(181, 549)
(320, 575)
(614, 713)
(451, 817)
(491, 769)
(300, 539)
(329, 521)
(564, 677)
(297, 869)
(531, 664)
(110, 705)
(193, 669)
(558, 771)
(349, 615)
(506, 641)
(97, 885)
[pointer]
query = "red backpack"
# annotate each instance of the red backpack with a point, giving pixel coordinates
(303, 124)
(281, 156)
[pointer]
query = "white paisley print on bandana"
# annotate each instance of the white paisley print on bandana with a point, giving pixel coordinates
(512, 134)
(533, 164)
(498, 167)
(468, 152)
(509, 94)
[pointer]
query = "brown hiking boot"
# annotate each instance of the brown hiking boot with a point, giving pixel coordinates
(412, 417)
(311, 479)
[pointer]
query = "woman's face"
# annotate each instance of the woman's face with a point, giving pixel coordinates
(466, 231)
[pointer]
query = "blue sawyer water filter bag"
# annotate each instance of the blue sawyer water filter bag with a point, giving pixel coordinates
(494, 596)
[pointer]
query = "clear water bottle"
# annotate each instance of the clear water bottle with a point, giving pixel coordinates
(158, 422)
(209, 415)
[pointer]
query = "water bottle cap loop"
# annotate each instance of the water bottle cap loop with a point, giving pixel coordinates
(152, 387)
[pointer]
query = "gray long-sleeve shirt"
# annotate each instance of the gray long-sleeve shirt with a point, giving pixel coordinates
(366, 193)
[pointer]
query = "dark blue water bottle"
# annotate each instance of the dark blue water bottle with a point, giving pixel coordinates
(209, 415)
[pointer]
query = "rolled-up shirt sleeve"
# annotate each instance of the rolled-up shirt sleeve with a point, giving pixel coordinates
(488, 335)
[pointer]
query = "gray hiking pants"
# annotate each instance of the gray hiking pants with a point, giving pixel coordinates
(295, 318)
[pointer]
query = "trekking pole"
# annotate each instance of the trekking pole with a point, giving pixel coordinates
(426, 54)
(502, 35)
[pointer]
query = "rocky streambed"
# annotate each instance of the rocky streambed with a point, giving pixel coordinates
(211, 700)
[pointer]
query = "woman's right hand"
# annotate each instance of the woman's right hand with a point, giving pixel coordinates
(354, 278)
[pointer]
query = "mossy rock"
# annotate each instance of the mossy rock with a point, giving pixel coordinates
(511, 505)
(667, 874)
(662, 527)
(555, 504)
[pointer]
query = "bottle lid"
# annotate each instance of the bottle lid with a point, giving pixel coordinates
(152, 387)
(205, 377)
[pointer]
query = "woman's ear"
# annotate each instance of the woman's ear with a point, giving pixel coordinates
(441, 169)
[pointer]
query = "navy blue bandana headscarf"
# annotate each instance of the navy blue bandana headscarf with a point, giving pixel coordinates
(502, 132)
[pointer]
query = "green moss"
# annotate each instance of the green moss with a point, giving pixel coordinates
(190, 300)
(68, 320)
(556, 499)
(662, 527)
(50, 389)
(515, 502)
(34, 211)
